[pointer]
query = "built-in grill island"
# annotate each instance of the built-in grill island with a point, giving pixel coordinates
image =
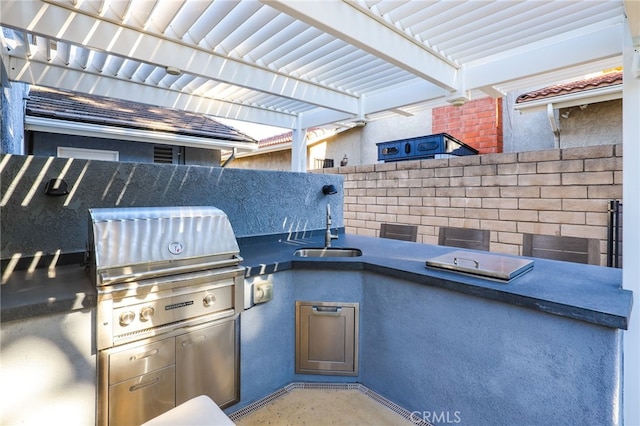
(170, 291)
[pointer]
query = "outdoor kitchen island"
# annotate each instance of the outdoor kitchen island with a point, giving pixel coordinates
(544, 348)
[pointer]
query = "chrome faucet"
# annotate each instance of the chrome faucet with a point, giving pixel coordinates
(328, 236)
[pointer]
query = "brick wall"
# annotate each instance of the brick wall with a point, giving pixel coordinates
(477, 123)
(554, 192)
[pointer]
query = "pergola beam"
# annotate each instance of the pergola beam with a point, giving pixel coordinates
(48, 75)
(103, 36)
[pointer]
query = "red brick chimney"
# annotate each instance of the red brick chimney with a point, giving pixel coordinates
(477, 123)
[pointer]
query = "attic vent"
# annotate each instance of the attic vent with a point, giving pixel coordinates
(163, 154)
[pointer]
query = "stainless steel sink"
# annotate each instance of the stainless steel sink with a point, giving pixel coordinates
(328, 252)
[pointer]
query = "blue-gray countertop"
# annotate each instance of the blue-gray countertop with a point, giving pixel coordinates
(582, 292)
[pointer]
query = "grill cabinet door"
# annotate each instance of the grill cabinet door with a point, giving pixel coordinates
(208, 363)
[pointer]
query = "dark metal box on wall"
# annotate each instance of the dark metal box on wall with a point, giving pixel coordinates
(440, 145)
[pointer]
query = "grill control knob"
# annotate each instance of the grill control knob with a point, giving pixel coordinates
(209, 300)
(146, 313)
(127, 318)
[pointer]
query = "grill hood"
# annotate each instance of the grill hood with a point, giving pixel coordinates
(127, 244)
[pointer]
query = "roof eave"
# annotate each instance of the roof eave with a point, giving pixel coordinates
(41, 124)
(592, 96)
(283, 146)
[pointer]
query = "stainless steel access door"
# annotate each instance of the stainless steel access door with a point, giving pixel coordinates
(208, 363)
(327, 338)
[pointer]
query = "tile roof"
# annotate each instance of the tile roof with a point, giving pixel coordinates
(604, 80)
(72, 106)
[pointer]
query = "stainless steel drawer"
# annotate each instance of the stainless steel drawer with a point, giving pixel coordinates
(139, 360)
(137, 400)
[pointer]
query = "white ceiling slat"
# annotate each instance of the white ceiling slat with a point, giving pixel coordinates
(438, 21)
(126, 14)
(309, 40)
(360, 70)
(254, 28)
(482, 31)
(128, 43)
(168, 80)
(143, 72)
(225, 27)
(141, 12)
(144, 18)
(113, 64)
(81, 57)
(504, 38)
(160, 18)
(156, 77)
(320, 57)
(339, 60)
(205, 88)
(51, 49)
(40, 45)
(344, 22)
(387, 7)
(223, 91)
(129, 68)
(391, 80)
(209, 19)
(271, 35)
(99, 60)
(474, 17)
(64, 52)
(295, 38)
(185, 18)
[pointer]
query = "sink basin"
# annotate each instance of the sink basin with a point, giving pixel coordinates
(328, 252)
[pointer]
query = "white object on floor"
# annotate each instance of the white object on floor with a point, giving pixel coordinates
(198, 411)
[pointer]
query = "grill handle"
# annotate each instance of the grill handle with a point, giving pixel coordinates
(332, 311)
(143, 385)
(107, 279)
(456, 260)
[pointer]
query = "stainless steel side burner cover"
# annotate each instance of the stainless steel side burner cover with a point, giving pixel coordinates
(484, 265)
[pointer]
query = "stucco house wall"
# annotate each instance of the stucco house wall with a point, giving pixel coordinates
(597, 124)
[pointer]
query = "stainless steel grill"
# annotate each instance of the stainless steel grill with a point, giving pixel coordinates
(170, 289)
(129, 244)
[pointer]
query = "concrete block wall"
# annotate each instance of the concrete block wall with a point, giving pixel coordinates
(553, 192)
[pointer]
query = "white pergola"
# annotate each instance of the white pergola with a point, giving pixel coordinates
(301, 64)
